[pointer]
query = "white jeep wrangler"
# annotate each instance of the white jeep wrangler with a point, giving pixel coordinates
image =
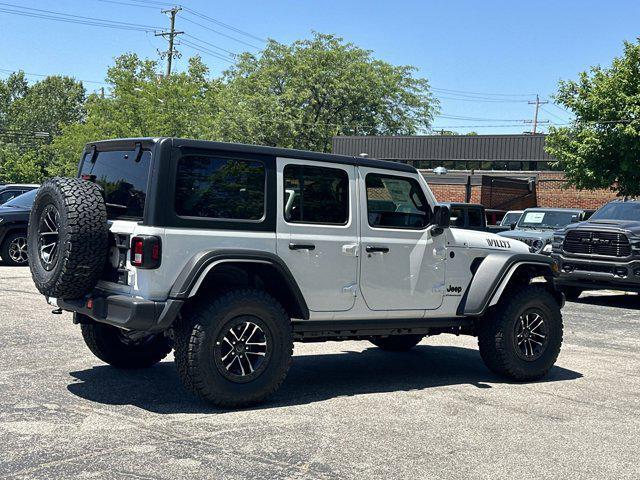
(229, 253)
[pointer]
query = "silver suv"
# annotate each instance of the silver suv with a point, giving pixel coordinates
(229, 253)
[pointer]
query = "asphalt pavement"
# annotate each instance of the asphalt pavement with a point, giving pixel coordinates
(346, 410)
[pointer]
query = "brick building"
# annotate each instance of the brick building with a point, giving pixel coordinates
(499, 171)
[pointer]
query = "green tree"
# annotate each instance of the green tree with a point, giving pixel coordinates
(140, 103)
(300, 95)
(601, 148)
(46, 106)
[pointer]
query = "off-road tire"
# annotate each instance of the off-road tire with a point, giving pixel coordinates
(82, 239)
(6, 245)
(496, 332)
(397, 343)
(195, 339)
(571, 293)
(111, 346)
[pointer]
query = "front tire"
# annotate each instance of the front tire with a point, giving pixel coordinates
(234, 350)
(111, 346)
(14, 250)
(521, 338)
(397, 343)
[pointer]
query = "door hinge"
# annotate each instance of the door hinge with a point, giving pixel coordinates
(351, 289)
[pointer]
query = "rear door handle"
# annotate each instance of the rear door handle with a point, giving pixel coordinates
(302, 246)
(376, 249)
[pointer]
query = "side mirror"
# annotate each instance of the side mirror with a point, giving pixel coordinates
(575, 218)
(512, 226)
(441, 216)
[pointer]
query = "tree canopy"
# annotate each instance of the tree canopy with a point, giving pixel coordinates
(297, 96)
(601, 148)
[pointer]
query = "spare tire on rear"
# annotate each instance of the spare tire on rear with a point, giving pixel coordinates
(68, 237)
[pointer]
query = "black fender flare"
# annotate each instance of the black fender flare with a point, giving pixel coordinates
(492, 276)
(197, 268)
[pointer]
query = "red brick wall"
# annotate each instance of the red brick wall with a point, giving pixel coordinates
(552, 190)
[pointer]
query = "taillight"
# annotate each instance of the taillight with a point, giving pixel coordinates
(146, 251)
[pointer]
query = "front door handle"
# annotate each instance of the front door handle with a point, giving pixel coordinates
(302, 246)
(376, 249)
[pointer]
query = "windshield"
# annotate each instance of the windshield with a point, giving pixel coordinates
(124, 180)
(618, 211)
(540, 219)
(510, 217)
(22, 201)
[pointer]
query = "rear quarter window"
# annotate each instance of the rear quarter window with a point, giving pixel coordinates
(220, 188)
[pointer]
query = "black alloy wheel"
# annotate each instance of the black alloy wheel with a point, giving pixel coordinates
(242, 351)
(531, 335)
(48, 237)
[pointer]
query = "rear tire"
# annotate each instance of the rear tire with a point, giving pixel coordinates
(234, 350)
(397, 343)
(111, 346)
(14, 250)
(521, 338)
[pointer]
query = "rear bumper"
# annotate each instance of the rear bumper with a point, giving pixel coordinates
(590, 274)
(123, 311)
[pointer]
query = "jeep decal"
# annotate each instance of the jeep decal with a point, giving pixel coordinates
(455, 289)
(498, 243)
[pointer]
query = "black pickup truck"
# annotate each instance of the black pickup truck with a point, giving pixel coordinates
(601, 253)
(471, 216)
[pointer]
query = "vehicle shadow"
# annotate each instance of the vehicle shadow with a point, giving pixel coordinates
(631, 302)
(312, 378)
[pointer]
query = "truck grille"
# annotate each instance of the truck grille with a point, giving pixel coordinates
(610, 244)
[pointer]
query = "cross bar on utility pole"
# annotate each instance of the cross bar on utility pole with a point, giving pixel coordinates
(171, 53)
(537, 103)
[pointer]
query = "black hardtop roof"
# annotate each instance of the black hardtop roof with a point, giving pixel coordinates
(129, 144)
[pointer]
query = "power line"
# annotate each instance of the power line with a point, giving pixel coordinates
(70, 18)
(225, 25)
(204, 17)
(480, 100)
(210, 44)
(5, 70)
(466, 92)
(204, 50)
(220, 33)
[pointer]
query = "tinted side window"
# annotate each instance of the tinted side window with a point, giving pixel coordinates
(316, 195)
(457, 217)
(214, 187)
(475, 217)
(8, 195)
(396, 202)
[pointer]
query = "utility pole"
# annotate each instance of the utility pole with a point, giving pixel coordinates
(535, 115)
(170, 36)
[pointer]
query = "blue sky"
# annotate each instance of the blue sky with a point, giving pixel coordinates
(503, 51)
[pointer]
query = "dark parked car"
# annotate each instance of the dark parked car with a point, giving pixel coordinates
(14, 218)
(13, 190)
(536, 226)
(601, 253)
